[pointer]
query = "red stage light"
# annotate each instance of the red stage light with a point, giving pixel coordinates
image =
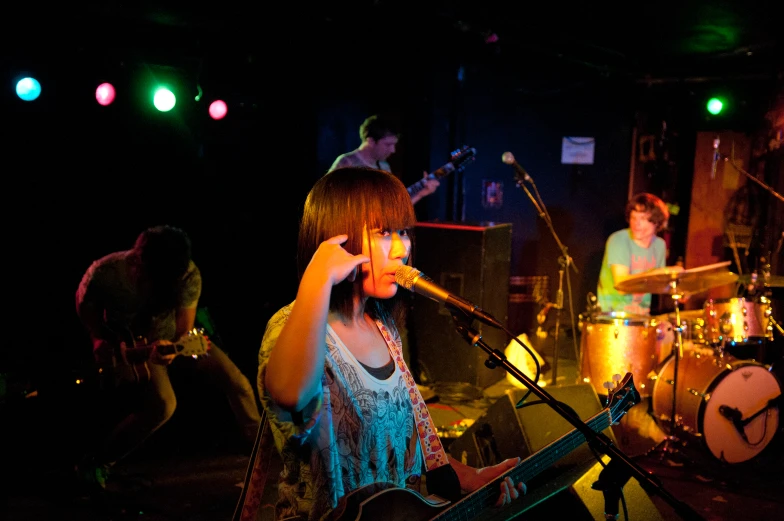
(218, 109)
(104, 94)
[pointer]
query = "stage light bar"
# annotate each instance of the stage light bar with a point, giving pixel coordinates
(164, 99)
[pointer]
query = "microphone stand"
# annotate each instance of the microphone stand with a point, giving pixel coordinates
(564, 261)
(622, 468)
(774, 193)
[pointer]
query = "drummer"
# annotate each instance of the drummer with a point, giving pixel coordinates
(634, 250)
(627, 252)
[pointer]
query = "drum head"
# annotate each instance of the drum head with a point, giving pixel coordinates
(744, 391)
(620, 317)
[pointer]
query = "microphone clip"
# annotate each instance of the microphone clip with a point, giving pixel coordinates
(736, 417)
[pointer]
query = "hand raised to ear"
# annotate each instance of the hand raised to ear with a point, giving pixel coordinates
(333, 263)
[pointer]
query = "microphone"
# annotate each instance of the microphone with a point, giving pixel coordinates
(736, 417)
(715, 157)
(509, 159)
(414, 280)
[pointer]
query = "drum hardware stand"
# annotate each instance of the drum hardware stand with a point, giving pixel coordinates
(775, 324)
(667, 446)
(564, 262)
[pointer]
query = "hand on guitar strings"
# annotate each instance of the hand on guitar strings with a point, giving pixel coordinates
(431, 185)
(472, 479)
(158, 357)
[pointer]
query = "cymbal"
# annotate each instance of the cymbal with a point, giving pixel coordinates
(775, 281)
(677, 281)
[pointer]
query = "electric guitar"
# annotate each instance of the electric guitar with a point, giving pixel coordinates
(388, 502)
(137, 353)
(458, 161)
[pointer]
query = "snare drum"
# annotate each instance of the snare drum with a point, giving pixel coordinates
(711, 391)
(617, 343)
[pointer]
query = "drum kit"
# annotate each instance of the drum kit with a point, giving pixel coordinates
(705, 371)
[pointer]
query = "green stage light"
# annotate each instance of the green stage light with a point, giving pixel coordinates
(715, 106)
(164, 99)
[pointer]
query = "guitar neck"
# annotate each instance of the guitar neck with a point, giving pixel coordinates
(530, 467)
(141, 353)
(459, 160)
(441, 172)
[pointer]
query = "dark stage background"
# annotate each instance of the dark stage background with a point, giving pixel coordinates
(83, 180)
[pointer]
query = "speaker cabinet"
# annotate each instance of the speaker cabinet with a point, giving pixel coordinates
(471, 261)
(505, 431)
(571, 496)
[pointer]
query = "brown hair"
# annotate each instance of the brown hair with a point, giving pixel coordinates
(344, 201)
(645, 202)
(377, 128)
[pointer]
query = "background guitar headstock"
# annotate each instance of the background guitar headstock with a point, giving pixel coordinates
(193, 343)
(462, 157)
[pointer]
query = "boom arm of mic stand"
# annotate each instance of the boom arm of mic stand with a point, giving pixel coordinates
(540, 207)
(540, 211)
(598, 440)
(763, 185)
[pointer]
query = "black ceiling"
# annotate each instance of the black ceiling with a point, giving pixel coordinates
(638, 40)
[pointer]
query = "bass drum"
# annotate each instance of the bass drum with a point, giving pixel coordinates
(711, 392)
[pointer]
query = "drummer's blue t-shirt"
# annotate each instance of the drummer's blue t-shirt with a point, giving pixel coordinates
(621, 249)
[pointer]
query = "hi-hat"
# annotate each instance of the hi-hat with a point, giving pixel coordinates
(694, 280)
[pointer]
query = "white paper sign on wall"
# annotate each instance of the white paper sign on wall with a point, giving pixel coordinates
(577, 150)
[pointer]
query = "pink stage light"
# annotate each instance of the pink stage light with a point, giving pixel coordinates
(104, 94)
(218, 109)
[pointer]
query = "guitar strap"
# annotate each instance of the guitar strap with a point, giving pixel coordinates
(435, 456)
(256, 475)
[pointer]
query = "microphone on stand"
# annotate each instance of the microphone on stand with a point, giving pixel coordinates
(414, 280)
(736, 417)
(509, 159)
(715, 157)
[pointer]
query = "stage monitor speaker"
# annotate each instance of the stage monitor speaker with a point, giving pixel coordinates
(571, 496)
(505, 431)
(473, 262)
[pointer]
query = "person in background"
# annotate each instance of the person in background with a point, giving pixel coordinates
(631, 251)
(379, 137)
(149, 294)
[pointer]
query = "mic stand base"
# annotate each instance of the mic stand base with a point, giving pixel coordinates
(668, 447)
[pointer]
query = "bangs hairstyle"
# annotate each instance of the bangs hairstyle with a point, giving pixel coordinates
(343, 202)
(645, 202)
